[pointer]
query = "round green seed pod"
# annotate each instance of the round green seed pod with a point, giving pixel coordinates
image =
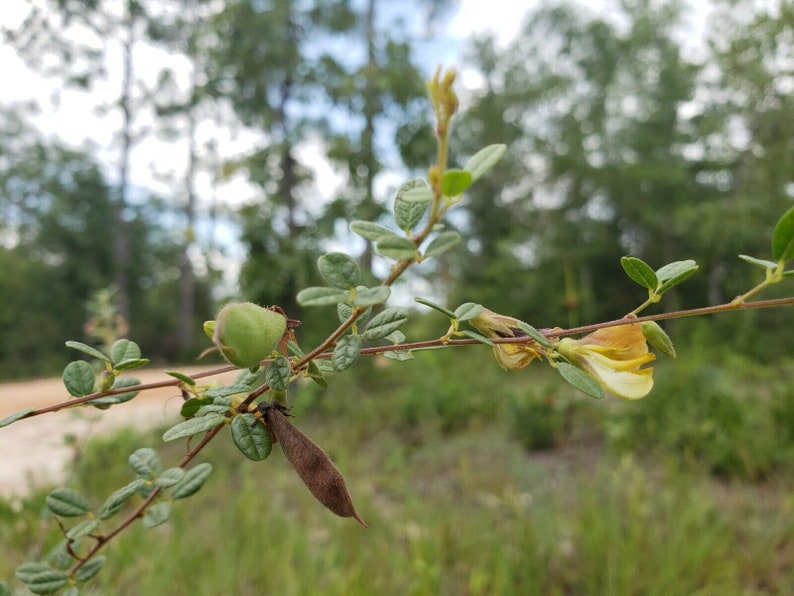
(245, 333)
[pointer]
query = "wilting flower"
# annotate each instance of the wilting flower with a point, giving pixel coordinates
(613, 356)
(509, 356)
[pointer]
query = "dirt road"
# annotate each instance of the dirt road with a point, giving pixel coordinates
(33, 451)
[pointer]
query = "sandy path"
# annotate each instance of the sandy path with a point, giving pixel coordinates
(33, 451)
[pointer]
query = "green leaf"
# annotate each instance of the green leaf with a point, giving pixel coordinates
(88, 350)
(90, 569)
(67, 503)
(124, 349)
(640, 272)
(456, 182)
(320, 296)
(476, 336)
(371, 231)
(674, 273)
(395, 247)
(346, 352)
(396, 337)
(581, 380)
(30, 569)
(145, 462)
(316, 375)
(4, 589)
(194, 426)
(182, 377)
(170, 477)
(763, 263)
(783, 237)
(193, 481)
(157, 514)
(484, 160)
(84, 528)
(11, 418)
(79, 378)
(40, 578)
(534, 334)
(130, 364)
(227, 391)
(418, 195)
(278, 373)
(437, 307)
(251, 437)
(408, 213)
(339, 270)
(344, 311)
(191, 406)
(372, 296)
(442, 243)
(115, 502)
(468, 311)
(117, 398)
(385, 322)
(398, 355)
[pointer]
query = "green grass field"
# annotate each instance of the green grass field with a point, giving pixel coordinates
(485, 483)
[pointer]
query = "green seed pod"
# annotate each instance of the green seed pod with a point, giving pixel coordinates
(312, 464)
(246, 333)
(658, 338)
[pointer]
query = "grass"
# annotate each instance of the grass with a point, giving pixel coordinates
(456, 501)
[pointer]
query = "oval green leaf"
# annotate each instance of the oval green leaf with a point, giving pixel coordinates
(346, 352)
(278, 373)
(194, 426)
(385, 322)
(67, 503)
(442, 243)
(193, 481)
(124, 349)
(11, 418)
(79, 378)
(396, 247)
(90, 569)
(88, 350)
(408, 213)
(339, 270)
(783, 237)
(115, 502)
(581, 380)
(484, 160)
(456, 182)
(84, 528)
(640, 272)
(170, 477)
(674, 273)
(763, 263)
(370, 230)
(157, 514)
(320, 296)
(372, 296)
(46, 581)
(251, 437)
(117, 398)
(182, 377)
(437, 307)
(418, 195)
(145, 462)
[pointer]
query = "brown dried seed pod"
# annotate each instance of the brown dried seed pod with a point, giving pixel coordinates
(312, 464)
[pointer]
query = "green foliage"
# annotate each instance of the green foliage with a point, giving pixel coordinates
(702, 414)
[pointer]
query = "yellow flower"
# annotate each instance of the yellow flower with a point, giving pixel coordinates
(613, 357)
(509, 356)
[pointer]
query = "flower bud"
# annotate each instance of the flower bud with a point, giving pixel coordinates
(246, 333)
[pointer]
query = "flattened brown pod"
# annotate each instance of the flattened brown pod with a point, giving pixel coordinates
(312, 464)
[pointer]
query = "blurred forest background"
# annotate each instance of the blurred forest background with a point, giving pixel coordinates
(624, 136)
(652, 128)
